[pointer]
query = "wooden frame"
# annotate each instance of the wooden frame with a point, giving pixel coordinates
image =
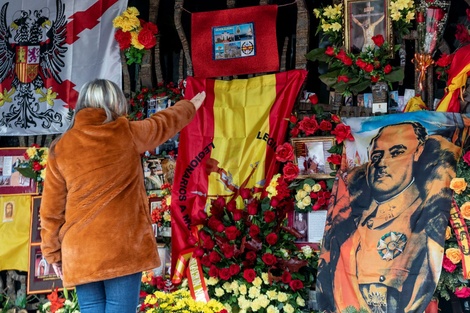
(11, 181)
(311, 155)
(35, 237)
(155, 202)
(365, 19)
(41, 276)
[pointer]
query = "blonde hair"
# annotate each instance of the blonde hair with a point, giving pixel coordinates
(104, 94)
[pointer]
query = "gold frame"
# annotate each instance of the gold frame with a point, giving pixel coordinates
(351, 29)
(311, 146)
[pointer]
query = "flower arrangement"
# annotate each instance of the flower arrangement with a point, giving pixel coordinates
(350, 73)
(162, 215)
(321, 123)
(134, 35)
(57, 304)
(331, 23)
(311, 195)
(402, 13)
(139, 102)
(452, 279)
(34, 165)
(248, 254)
(179, 301)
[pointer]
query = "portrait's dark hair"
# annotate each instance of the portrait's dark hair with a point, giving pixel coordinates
(419, 130)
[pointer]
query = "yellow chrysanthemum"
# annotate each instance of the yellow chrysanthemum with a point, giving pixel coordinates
(289, 308)
(253, 292)
(272, 294)
(135, 41)
(242, 289)
(219, 292)
(31, 152)
(300, 301)
(272, 309)
(282, 297)
(257, 282)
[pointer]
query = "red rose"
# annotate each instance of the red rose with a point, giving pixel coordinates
(232, 232)
(342, 132)
(343, 78)
(378, 40)
(335, 118)
(237, 215)
(447, 265)
(361, 63)
(347, 61)
(466, 157)
(123, 39)
(245, 193)
(369, 68)
(308, 125)
(231, 206)
(151, 27)
(286, 277)
(295, 131)
(290, 171)
(269, 259)
(234, 269)
(228, 251)
(330, 51)
(341, 55)
(461, 33)
(387, 69)
(462, 292)
(215, 224)
(213, 271)
(37, 166)
(271, 239)
(445, 59)
(147, 38)
(269, 216)
(198, 252)
(224, 274)
(250, 256)
(375, 78)
(296, 284)
(254, 230)
(202, 215)
(252, 207)
(192, 240)
(206, 261)
(214, 257)
(285, 152)
(313, 98)
(293, 119)
(249, 274)
(335, 159)
(325, 126)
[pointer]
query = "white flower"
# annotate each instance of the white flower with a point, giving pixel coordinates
(307, 251)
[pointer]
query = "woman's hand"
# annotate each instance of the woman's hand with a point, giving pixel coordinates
(198, 99)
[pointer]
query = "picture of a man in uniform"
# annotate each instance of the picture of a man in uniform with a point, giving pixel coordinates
(383, 244)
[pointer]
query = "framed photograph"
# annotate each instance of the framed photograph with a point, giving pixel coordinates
(153, 175)
(11, 181)
(35, 220)
(164, 256)
(364, 19)
(41, 276)
(311, 155)
(154, 203)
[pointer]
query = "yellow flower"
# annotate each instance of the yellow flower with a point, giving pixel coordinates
(465, 209)
(307, 201)
(288, 308)
(242, 290)
(458, 185)
(336, 27)
(168, 200)
(300, 205)
(272, 309)
(300, 194)
(317, 13)
(448, 233)
(300, 301)
(325, 27)
(212, 281)
(265, 277)
(257, 282)
(43, 174)
(135, 41)
(454, 255)
(227, 286)
(271, 189)
(219, 292)
(31, 152)
(316, 188)
(167, 216)
(410, 16)
(272, 294)
(131, 11)
(253, 292)
(396, 16)
(307, 188)
(263, 301)
(282, 297)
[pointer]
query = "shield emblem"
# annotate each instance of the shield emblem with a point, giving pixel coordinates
(27, 63)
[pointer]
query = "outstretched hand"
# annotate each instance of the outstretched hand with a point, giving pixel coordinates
(198, 99)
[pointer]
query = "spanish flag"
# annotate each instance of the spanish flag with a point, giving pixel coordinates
(230, 144)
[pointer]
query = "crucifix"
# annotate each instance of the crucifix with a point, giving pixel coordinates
(367, 26)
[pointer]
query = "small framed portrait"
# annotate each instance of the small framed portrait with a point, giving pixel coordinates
(164, 256)
(364, 19)
(8, 211)
(155, 203)
(311, 154)
(41, 278)
(300, 224)
(35, 220)
(153, 175)
(11, 181)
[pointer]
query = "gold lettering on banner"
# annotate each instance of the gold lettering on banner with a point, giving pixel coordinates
(461, 234)
(199, 292)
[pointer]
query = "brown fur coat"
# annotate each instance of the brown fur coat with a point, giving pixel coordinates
(94, 211)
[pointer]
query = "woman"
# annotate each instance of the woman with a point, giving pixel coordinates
(96, 229)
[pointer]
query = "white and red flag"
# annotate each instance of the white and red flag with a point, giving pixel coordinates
(48, 50)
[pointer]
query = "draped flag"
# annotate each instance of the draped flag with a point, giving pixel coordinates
(15, 214)
(383, 244)
(48, 50)
(230, 144)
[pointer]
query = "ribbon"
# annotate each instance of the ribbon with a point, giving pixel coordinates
(461, 233)
(197, 284)
(423, 61)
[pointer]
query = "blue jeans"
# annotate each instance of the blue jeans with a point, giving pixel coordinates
(116, 295)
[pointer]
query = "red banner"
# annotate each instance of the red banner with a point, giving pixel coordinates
(230, 143)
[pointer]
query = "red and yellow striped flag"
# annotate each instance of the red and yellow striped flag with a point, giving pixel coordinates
(230, 143)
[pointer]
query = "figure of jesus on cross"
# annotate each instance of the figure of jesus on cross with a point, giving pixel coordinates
(367, 21)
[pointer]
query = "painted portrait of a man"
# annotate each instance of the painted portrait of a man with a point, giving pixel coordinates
(383, 243)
